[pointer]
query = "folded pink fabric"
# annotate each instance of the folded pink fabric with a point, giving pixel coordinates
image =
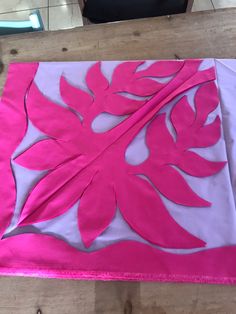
(119, 170)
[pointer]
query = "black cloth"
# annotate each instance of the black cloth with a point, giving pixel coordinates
(102, 11)
(12, 30)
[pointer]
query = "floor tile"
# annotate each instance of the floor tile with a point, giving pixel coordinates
(24, 15)
(65, 16)
(218, 4)
(16, 5)
(61, 2)
(202, 5)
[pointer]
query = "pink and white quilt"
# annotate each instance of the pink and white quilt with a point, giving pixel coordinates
(119, 170)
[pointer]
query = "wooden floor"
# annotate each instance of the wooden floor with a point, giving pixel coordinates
(195, 35)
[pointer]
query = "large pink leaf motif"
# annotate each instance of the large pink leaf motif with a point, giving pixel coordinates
(91, 167)
(98, 197)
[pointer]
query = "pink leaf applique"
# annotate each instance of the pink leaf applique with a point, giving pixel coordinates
(96, 80)
(143, 87)
(44, 155)
(96, 213)
(209, 134)
(170, 183)
(182, 115)
(166, 153)
(125, 79)
(189, 125)
(97, 173)
(147, 215)
(45, 201)
(159, 140)
(198, 166)
(206, 101)
(74, 97)
(124, 74)
(119, 105)
(63, 123)
(162, 68)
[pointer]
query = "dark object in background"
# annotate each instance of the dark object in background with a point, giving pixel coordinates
(103, 11)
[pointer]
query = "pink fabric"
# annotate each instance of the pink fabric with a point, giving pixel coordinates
(13, 127)
(90, 168)
(19, 257)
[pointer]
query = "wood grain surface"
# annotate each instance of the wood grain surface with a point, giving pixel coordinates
(195, 35)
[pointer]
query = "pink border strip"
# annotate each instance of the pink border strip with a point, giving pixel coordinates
(19, 257)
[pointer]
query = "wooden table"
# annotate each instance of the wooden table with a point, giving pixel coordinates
(196, 35)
